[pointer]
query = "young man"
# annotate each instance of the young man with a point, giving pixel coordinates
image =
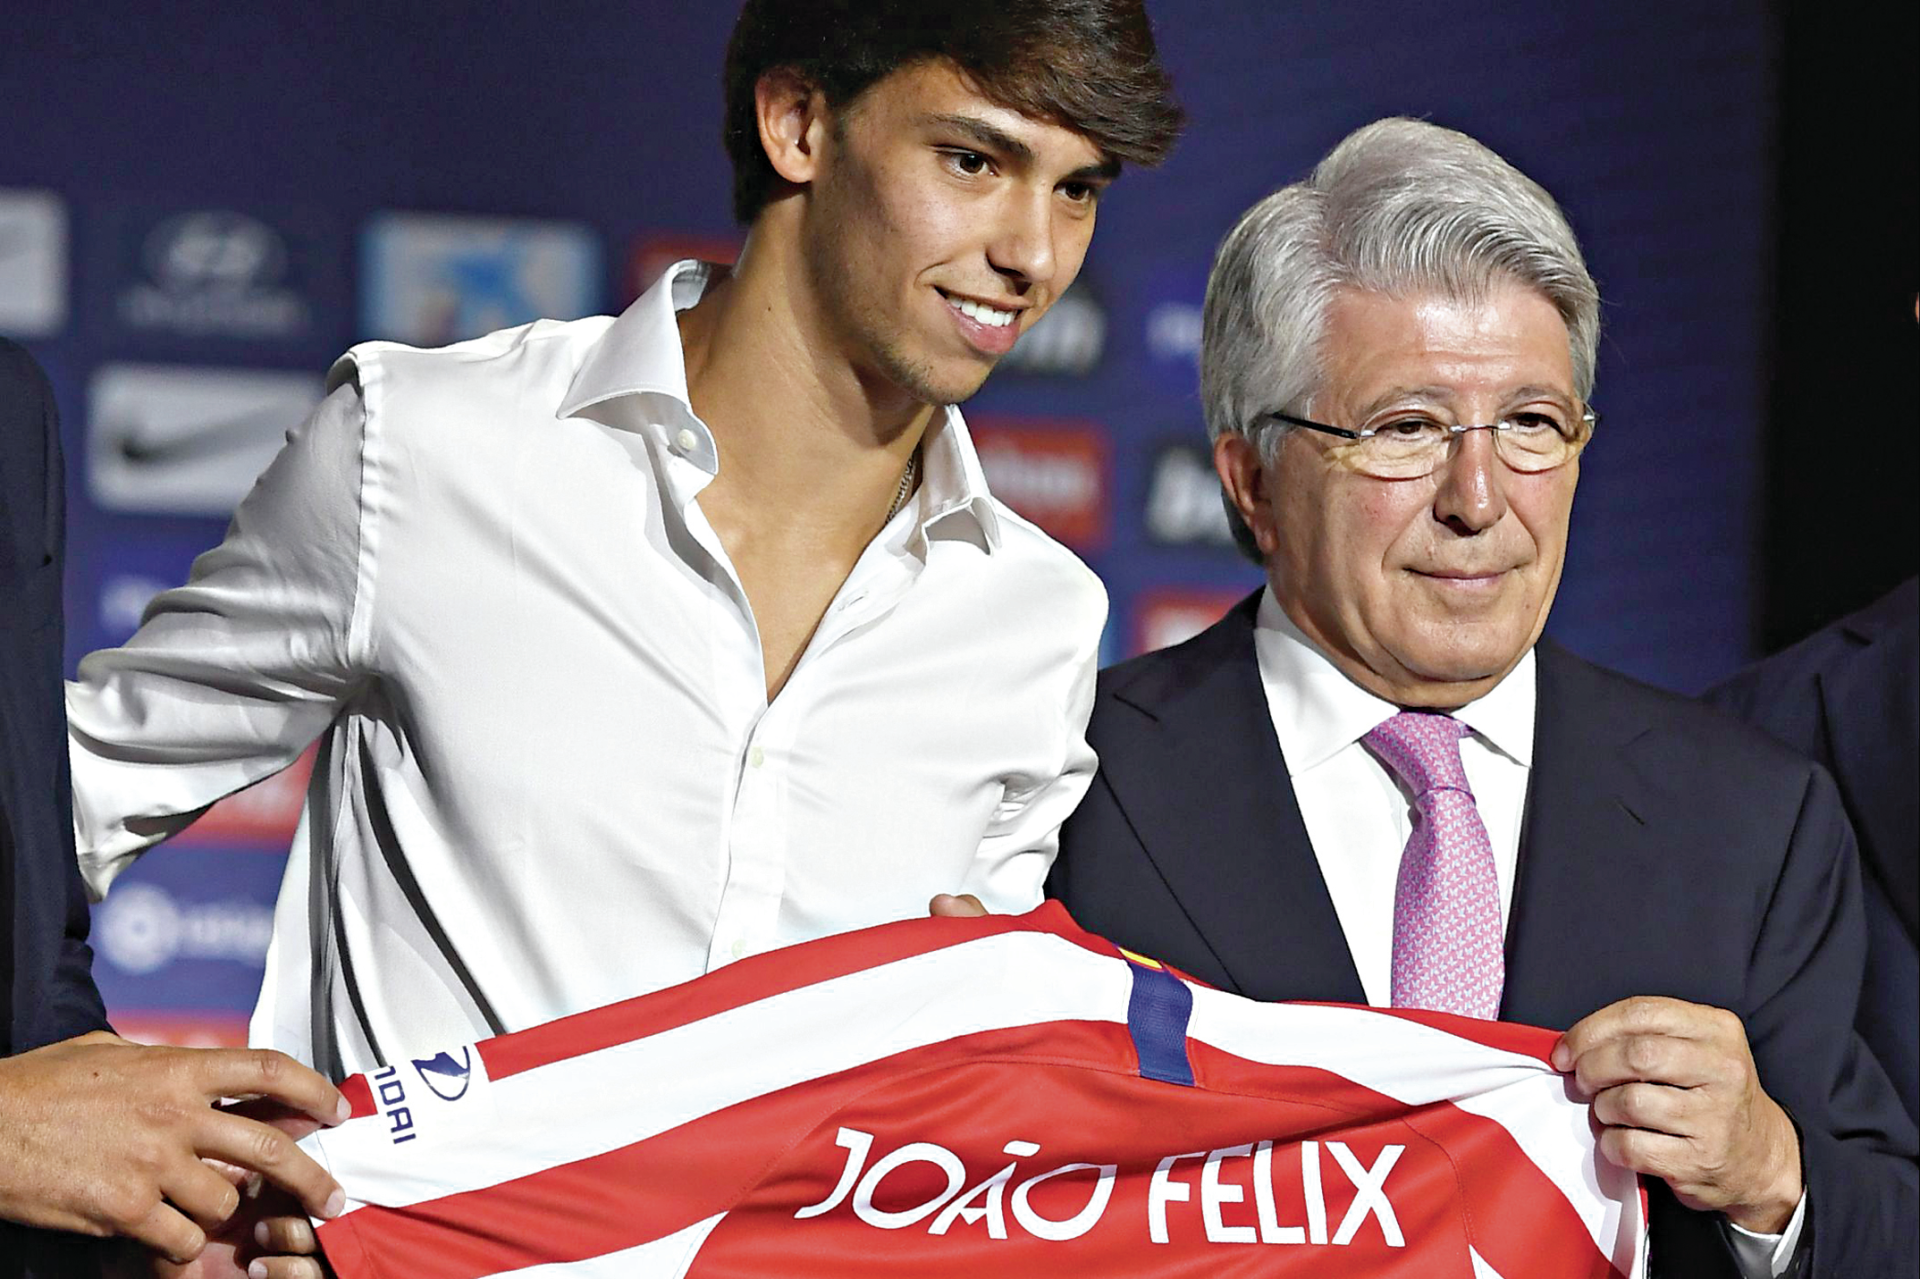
(638, 645)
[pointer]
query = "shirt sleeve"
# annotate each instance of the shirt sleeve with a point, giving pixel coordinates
(1768, 1256)
(231, 676)
(1025, 835)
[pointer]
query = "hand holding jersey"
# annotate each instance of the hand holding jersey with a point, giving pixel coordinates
(116, 1138)
(268, 1238)
(1676, 1086)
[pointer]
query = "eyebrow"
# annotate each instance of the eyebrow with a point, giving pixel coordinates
(1443, 393)
(999, 140)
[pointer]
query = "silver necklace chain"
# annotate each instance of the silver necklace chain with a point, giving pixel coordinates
(906, 485)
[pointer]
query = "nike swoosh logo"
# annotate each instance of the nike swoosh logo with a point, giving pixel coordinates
(209, 439)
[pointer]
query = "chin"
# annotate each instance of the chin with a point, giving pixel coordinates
(1458, 663)
(953, 390)
(932, 382)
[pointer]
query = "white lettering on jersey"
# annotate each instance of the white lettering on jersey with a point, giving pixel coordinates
(988, 1200)
(1213, 1194)
(1078, 1224)
(1369, 1195)
(1165, 1190)
(857, 1144)
(913, 1152)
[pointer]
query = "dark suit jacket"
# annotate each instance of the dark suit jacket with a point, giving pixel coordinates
(53, 996)
(43, 904)
(1665, 851)
(1849, 697)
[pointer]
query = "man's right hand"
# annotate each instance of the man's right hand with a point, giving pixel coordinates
(102, 1137)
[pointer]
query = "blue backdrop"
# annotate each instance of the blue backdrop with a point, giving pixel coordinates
(200, 209)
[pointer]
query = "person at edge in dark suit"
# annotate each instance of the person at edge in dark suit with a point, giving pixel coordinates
(1373, 782)
(1848, 697)
(97, 1136)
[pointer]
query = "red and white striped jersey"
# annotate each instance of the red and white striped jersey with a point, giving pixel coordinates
(1007, 1096)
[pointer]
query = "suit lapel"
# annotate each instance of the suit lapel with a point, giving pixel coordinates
(1212, 779)
(1584, 843)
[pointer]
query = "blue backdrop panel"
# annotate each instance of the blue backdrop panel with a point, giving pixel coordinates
(187, 931)
(208, 203)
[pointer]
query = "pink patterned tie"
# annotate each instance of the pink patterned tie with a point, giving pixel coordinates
(1447, 950)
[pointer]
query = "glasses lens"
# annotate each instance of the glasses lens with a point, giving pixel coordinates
(1402, 450)
(1537, 441)
(1413, 447)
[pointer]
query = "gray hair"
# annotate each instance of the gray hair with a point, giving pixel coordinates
(1399, 207)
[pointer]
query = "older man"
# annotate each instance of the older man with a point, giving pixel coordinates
(1374, 782)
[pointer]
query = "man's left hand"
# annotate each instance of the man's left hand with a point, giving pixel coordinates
(1675, 1086)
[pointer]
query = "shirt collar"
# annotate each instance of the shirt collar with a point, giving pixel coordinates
(1317, 711)
(953, 487)
(640, 351)
(640, 354)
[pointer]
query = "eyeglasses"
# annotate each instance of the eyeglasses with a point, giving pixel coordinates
(1409, 447)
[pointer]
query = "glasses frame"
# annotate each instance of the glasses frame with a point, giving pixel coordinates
(1587, 415)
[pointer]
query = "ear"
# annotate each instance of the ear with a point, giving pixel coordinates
(794, 127)
(1248, 485)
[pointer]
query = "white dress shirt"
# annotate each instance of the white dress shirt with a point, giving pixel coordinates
(1358, 815)
(550, 777)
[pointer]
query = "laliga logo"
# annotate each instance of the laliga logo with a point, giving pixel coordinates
(989, 1200)
(141, 928)
(448, 1078)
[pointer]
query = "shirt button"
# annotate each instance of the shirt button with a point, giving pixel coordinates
(756, 757)
(686, 441)
(739, 949)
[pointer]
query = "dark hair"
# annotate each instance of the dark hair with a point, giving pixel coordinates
(1088, 65)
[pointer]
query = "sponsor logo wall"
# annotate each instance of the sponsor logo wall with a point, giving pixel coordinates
(180, 439)
(180, 943)
(33, 263)
(188, 322)
(222, 275)
(1054, 472)
(429, 279)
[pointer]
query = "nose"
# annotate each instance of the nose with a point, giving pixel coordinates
(1022, 247)
(1471, 496)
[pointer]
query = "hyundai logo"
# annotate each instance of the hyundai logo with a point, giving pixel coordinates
(214, 250)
